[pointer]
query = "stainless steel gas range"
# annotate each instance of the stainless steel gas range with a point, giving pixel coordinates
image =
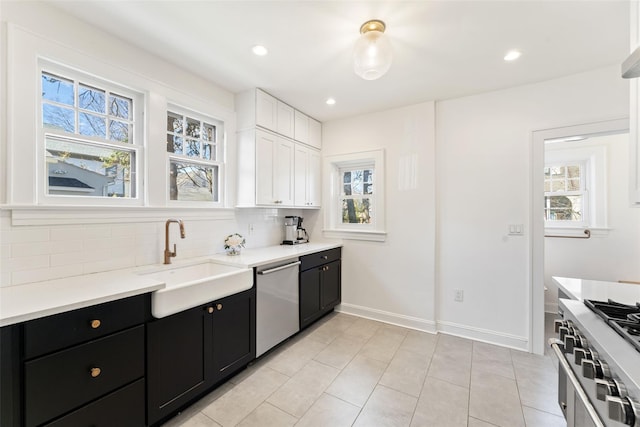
(599, 363)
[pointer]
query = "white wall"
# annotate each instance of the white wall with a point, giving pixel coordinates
(393, 280)
(131, 238)
(612, 255)
(483, 146)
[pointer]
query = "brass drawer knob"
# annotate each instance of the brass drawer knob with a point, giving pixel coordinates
(95, 372)
(95, 324)
(219, 306)
(210, 309)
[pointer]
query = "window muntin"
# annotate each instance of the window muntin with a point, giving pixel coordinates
(565, 195)
(356, 198)
(195, 157)
(89, 145)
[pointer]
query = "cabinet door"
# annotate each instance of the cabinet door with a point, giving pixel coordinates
(315, 133)
(301, 127)
(285, 120)
(178, 348)
(301, 163)
(283, 172)
(265, 149)
(330, 286)
(266, 111)
(234, 333)
(314, 178)
(309, 296)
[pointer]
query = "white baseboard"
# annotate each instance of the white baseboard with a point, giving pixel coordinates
(464, 331)
(388, 317)
(484, 335)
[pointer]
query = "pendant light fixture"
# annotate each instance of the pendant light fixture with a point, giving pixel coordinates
(372, 55)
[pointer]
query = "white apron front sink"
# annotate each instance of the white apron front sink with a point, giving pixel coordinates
(192, 285)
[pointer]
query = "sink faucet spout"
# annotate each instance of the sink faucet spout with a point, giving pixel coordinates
(167, 253)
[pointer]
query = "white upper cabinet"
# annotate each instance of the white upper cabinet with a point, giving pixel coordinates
(315, 133)
(273, 169)
(266, 111)
(301, 127)
(634, 122)
(307, 177)
(285, 120)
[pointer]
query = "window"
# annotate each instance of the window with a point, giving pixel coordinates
(195, 157)
(357, 196)
(565, 194)
(90, 143)
(355, 192)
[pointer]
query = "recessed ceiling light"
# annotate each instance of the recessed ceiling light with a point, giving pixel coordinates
(260, 50)
(512, 55)
(331, 101)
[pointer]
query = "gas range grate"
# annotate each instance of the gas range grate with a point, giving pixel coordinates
(623, 318)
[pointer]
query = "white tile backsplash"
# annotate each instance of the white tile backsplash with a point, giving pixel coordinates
(37, 253)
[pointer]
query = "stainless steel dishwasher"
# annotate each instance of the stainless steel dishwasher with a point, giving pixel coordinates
(277, 302)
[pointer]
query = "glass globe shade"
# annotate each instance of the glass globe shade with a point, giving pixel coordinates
(372, 55)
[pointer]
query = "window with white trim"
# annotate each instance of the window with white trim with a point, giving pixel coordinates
(196, 161)
(565, 194)
(357, 197)
(355, 192)
(92, 142)
(575, 182)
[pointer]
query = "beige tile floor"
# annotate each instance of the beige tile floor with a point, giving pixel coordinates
(349, 371)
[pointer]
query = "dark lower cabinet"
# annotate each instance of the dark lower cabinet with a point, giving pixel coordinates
(320, 285)
(78, 368)
(190, 352)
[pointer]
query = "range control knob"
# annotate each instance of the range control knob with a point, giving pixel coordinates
(579, 354)
(557, 324)
(609, 387)
(622, 410)
(570, 342)
(562, 332)
(595, 369)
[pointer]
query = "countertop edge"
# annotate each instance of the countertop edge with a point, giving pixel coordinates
(72, 293)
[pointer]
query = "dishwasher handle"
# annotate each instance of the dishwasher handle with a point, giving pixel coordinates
(282, 267)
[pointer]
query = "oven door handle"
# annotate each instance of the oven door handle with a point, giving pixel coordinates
(555, 345)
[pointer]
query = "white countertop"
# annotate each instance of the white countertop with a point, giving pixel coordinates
(269, 254)
(34, 300)
(581, 289)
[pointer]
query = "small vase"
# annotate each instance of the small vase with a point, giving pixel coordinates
(233, 250)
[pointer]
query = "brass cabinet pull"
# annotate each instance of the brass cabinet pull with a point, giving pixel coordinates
(219, 306)
(95, 372)
(95, 324)
(210, 309)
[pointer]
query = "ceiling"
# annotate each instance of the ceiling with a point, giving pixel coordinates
(442, 49)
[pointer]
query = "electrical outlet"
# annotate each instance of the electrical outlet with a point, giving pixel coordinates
(250, 229)
(458, 295)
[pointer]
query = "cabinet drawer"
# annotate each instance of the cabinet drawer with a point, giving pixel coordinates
(319, 258)
(63, 330)
(123, 408)
(62, 381)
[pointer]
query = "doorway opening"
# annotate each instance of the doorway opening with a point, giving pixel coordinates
(572, 209)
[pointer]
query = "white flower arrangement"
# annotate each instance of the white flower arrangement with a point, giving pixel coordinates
(233, 244)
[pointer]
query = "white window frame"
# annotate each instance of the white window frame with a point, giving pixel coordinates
(583, 191)
(594, 159)
(219, 162)
(333, 225)
(137, 146)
